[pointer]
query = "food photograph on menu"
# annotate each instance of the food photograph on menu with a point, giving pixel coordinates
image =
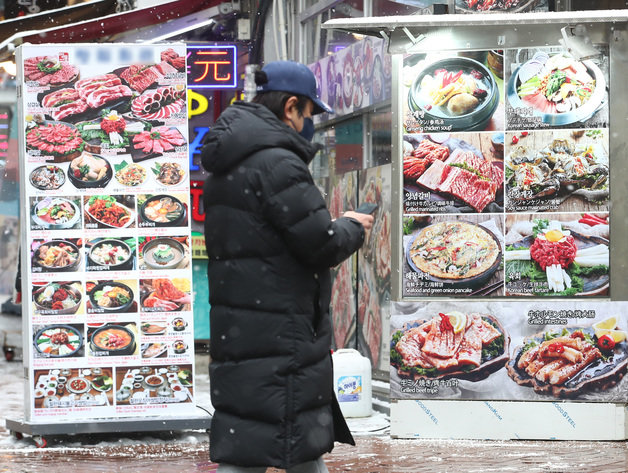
(168, 252)
(59, 341)
(453, 255)
(341, 194)
(549, 88)
(557, 254)
(354, 77)
(165, 295)
(110, 253)
(109, 211)
(448, 93)
(557, 170)
(73, 387)
(111, 296)
(509, 351)
(155, 384)
(55, 213)
(374, 269)
(59, 298)
(453, 173)
(58, 255)
(163, 210)
(503, 6)
(113, 339)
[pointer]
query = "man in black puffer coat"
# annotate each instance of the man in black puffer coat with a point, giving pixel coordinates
(271, 241)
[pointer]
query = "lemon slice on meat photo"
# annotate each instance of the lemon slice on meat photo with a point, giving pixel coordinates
(607, 326)
(458, 320)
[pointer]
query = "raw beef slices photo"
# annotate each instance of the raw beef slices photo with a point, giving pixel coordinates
(48, 70)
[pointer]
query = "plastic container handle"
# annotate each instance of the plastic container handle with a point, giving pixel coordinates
(346, 351)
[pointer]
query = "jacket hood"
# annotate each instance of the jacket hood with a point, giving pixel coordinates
(246, 128)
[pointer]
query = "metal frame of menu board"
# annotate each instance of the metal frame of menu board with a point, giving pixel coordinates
(427, 407)
(107, 326)
(425, 34)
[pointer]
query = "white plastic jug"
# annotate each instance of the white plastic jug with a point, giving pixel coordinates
(352, 382)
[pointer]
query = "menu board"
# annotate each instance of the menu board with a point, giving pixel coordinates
(500, 6)
(505, 174)
(521, 351)
(106, 230)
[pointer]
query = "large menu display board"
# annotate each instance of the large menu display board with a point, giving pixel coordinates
(505, 174)
(506, 194)
(106, 264)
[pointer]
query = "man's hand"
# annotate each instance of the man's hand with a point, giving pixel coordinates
(365, 219)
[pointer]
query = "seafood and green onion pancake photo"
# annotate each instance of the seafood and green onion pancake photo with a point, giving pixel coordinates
(456, 253)
(557, 257)
(571, 361)
(469, 346)
(559, 170)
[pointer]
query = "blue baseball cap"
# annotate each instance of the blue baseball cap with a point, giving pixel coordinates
(295, 78)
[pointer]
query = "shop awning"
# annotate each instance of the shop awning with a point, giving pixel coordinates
(482, 31)
(55, 18)
(106, 27)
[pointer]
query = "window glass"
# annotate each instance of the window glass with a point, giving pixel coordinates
(320, 164)
(324, 42)
(380, 138)
(349, 146)
(392, 8)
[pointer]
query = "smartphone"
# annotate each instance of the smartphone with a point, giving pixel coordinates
(367, 208)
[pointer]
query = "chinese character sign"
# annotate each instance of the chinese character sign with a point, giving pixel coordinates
(212, 67)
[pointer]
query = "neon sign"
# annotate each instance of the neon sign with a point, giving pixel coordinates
(212, 67)
(5, 119)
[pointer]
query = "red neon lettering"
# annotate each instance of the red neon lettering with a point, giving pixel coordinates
(196, 191)
(207, 65)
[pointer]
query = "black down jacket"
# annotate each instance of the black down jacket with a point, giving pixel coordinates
(271, 242)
